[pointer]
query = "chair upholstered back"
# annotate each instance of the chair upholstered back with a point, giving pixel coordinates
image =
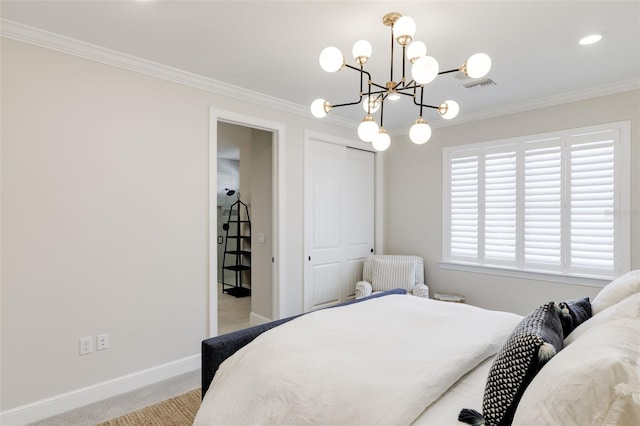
(391, 264)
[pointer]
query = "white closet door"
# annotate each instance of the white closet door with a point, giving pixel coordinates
(339, 211)
(358, 208)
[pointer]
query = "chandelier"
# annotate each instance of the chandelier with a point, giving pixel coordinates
(424, 69)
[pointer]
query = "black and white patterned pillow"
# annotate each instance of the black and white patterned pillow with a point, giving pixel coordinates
(573, 313)
(532, 343)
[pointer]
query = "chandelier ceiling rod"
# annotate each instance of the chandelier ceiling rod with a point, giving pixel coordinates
(424, 70)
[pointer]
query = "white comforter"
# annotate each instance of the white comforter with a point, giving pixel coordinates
(381, 361)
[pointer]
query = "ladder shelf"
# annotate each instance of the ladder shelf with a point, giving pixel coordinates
(237, 251)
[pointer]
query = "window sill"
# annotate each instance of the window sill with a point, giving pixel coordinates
(540, 276)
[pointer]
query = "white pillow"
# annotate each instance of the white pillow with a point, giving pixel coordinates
(616, 290)
(388, 274)
(595, 379)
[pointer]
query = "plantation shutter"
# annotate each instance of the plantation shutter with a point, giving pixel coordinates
(500, 207)
(543, 206)
(555, 204)
(464, 207)
(592, 203)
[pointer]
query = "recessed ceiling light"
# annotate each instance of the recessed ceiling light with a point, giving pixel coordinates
(590, 39)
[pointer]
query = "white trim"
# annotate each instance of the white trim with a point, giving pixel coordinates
(71, 46)
(528, 275)
(623, 168)
(279, 219)
(533, 104)
(257, 319)
(213, 224)
(48, 407)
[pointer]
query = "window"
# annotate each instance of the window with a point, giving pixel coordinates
(556, 203)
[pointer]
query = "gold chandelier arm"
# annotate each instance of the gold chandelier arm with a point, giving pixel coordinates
(449, 71)
(392, 59)
(420, 104)
(391, 28)
(347, 104)
(362, 73)
(379, 86)
(403, 64)
(360, 70)
(410, 85)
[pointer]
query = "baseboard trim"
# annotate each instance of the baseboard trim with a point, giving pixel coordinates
(256, 319)
(48, 407)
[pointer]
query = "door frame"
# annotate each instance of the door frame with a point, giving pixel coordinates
(278, 197)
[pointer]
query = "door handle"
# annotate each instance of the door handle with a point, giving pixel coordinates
(220, 239)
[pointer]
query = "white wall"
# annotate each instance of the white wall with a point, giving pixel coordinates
(104, 180)
(413, 198)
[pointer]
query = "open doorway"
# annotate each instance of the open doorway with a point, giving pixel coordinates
(245, 158)
(244, 215)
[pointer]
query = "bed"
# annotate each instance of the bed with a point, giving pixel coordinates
(399, 359)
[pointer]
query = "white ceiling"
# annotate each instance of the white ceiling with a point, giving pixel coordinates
(272, 47)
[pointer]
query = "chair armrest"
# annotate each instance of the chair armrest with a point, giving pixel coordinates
(363, 289)
(421, 290)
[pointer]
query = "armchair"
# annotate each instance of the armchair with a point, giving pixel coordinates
(386, 272)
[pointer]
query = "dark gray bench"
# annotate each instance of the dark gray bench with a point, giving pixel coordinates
(216, 349)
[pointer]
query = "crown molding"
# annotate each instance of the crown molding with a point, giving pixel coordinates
(71, 46)
(575, 96)
(563, 98)
(38, 37)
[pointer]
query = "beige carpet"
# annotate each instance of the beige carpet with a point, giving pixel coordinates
(177, 411)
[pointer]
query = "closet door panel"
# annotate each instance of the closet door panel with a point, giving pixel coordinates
(339, 220)
(323, 165)
(358, 217)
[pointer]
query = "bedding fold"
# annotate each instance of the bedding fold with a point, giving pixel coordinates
(382, 361)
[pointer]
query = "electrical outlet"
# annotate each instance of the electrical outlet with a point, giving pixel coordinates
(86, 345)
(103, 341)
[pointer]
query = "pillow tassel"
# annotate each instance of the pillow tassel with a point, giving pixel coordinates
(471, 417)
(546, 351)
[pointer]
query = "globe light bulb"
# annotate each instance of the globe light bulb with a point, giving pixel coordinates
(371, 104)
(368, 129)
(393, 95)
(361, 51)
(404, 29)
(416, 50)
(420, 132)
(320, 108)
(449, 109)
(425, 70)
(331, 59)
(477, 66)
(382, 140)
